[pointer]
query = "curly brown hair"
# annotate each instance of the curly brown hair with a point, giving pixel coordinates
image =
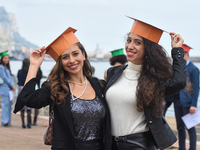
(156, 70)
(58, 77)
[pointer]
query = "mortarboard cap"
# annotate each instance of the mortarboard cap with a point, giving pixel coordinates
(61, 43)
(4, 53)
(186, 48)
(117, 52)
(146, 30)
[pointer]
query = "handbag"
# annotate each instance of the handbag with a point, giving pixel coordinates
(1, 81)
(48, 135)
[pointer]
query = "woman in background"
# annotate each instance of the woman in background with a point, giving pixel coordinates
(6, 75)
(21, 76)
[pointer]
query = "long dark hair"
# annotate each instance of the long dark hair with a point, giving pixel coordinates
(7, 65)
(25, 65)
(58, 78)
(156, 70)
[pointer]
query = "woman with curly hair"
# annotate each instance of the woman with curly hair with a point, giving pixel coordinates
(81, 117)
(135, 92)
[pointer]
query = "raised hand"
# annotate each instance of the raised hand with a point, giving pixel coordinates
(37, 56)
(36, 59)
(176, 40)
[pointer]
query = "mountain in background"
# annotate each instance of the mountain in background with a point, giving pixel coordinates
(10, 38)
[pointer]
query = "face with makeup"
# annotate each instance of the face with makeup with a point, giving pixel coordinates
(135, 49)
(73, 60)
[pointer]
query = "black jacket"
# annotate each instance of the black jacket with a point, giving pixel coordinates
(162, 133)
(63, 137)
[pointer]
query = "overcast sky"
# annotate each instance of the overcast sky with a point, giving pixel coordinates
(103, 22)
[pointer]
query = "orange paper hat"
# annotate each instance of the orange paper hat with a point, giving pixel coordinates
(146, 30)
(186, 48)
(60, 44)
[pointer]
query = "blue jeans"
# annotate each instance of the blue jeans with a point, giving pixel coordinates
(6, 105)
(179, 112)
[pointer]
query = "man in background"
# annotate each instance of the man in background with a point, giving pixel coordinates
(186, 102)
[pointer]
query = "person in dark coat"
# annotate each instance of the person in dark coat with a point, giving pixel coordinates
(36, 111)
(81, 115)
(135, 92)
(21, 76)
(186, 102)
(118, 58)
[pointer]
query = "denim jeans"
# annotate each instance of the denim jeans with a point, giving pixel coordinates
(6, 105)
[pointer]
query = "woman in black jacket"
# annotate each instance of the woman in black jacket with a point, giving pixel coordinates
(81, 117)
(135, 93)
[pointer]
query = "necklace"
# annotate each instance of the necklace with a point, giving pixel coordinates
(73, 99)
(127, 77)
(77, 82)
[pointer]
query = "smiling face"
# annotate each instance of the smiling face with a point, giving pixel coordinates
(73, 59)
(5, 60)
(135, 49)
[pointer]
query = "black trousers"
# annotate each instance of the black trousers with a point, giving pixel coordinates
(137, 141)
(89, 145)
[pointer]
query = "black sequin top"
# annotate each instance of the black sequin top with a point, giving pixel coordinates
(88, 119)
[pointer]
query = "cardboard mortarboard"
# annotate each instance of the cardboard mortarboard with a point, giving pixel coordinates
(146, 30)
(117, 52)
(186, 48)
(4, 53)
(61, 43)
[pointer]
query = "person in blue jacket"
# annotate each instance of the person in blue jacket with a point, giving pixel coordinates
(6, 75)
(186, 102)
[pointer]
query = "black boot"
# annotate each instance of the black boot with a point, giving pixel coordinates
(22, 117)
(29, 118)
(35, 121)
(35, 117)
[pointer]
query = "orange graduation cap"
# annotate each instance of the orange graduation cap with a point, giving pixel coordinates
(60, 44)
(186, 48)
(146, 30)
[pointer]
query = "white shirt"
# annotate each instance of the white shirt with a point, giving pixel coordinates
(121, 98)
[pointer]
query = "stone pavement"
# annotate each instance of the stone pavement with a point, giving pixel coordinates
(16, 138)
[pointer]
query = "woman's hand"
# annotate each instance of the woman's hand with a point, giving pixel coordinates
(176, 40)
(37, 57)
(192, 109)
(13, 89)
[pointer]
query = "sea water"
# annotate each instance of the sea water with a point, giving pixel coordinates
(46, 67)
(99, 66)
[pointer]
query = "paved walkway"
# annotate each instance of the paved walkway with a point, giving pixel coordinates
(16, 138)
